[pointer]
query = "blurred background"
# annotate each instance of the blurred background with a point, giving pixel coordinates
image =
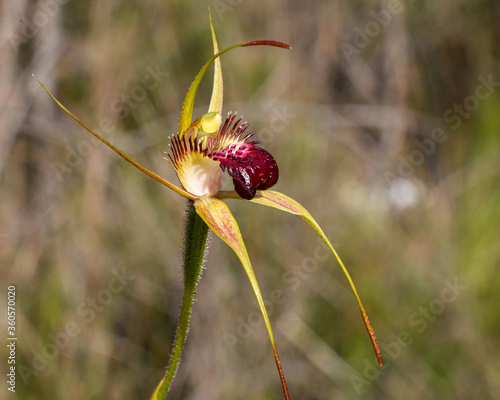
(384, 120)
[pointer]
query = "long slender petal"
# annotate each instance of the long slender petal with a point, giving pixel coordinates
(282, 202)
(219, 219)
(119, 152)
(187, 107)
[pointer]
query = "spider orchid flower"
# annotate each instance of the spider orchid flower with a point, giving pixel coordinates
(199, 153)
(199, 158)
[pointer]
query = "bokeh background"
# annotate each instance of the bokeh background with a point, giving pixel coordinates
(385, 122)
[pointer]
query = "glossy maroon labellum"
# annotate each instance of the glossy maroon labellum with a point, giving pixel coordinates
(251, 167)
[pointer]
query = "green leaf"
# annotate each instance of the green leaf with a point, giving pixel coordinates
(218, 217)
(197, 241)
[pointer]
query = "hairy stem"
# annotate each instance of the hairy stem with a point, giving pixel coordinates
(196, 248)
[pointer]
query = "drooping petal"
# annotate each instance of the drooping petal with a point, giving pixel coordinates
(282, 202)
(119, 152)
(219, 219)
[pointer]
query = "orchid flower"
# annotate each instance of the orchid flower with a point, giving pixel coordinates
(200, 152)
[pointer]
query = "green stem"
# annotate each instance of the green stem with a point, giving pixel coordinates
(196, 248)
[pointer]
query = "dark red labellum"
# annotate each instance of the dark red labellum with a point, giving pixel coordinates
(251, 167)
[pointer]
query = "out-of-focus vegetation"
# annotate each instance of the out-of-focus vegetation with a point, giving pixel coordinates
(385, 122)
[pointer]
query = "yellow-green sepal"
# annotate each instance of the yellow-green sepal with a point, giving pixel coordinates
(220, 220)
(218, 87)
